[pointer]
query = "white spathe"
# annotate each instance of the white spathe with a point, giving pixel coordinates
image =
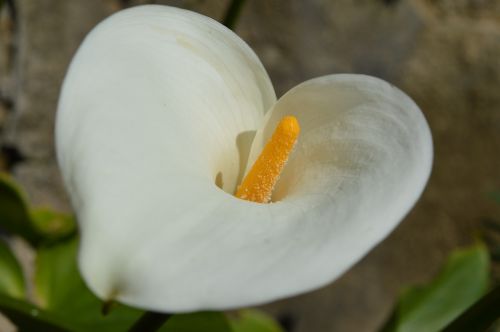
(159, 102)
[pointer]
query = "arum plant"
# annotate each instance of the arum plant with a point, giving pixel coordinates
(173, 146)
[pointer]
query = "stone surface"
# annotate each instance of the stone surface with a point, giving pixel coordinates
(48, 34)
(444, 53)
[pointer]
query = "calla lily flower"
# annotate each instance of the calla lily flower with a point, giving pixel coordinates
(161, 114)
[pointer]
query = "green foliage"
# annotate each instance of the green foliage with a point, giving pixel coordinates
(463, 280)
(479, 317)
(196, 322)
(36, 226)
(28, 317)
(61, 290)
(14, 214)
(53, 225)
(233, 12)
(254, 321)
(11, 276)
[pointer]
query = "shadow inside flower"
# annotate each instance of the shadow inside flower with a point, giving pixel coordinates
(244, 143)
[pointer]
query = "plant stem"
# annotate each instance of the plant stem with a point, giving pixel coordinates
(480, 316)
(232, 13)
(149, 322)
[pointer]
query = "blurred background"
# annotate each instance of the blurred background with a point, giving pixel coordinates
(445, 54)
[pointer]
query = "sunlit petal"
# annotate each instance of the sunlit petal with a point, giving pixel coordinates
(156, 114)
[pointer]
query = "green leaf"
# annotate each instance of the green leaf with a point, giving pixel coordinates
(463, 280)
(197, 322)
(480, 316)
(53, 225)
(27, 317)
(252, 320)
(11, 276)
(60, 289)
(14, 215)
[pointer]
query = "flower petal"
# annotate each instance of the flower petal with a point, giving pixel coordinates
(145, 124)
(155, 94)
(355, 128)
(188, 77)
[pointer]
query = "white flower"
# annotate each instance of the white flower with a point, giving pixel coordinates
(160, 103)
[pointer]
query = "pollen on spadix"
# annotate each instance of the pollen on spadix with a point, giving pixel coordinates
(258, 184)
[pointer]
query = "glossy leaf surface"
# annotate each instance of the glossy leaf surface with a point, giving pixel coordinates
(463, 280)
(11, 275)
(14, 213)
